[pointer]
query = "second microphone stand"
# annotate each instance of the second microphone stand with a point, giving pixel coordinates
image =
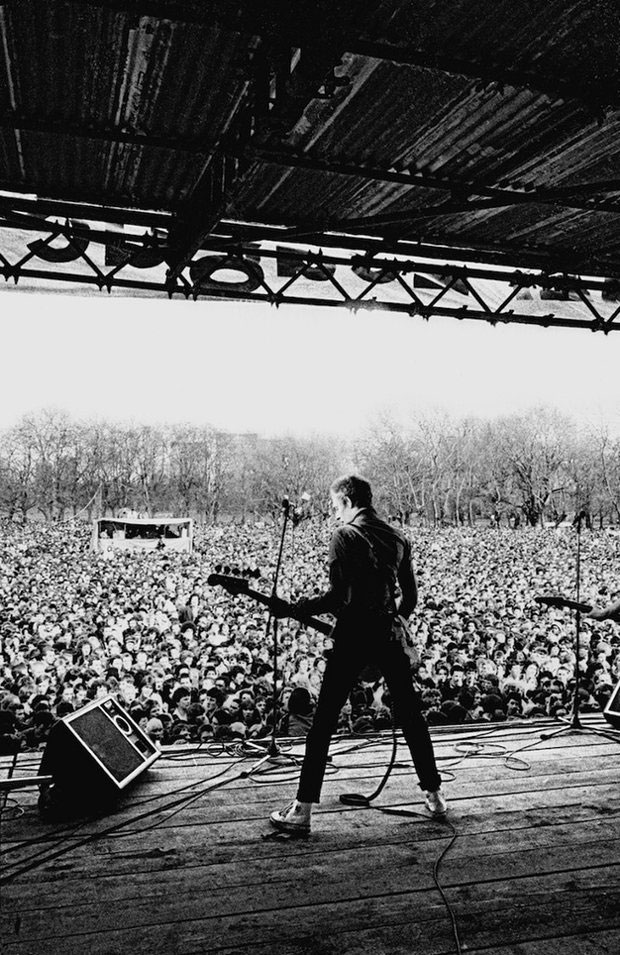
(274, 753)
(575, 725)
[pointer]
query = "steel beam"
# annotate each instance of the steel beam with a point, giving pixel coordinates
(107, 133)
(45, 192)
(68, 209)
(295, 87)
(563, 195)
(231, 233)
(200, 213)
(593, 97)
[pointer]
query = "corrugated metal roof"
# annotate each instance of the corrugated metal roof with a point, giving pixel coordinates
(135, 104)
(100, 69)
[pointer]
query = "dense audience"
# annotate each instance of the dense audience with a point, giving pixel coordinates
(193, 664)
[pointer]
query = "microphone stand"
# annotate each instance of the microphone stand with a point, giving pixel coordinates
(274, 753)
(574, 725)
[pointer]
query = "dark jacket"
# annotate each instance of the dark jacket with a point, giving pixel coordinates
(370, 570)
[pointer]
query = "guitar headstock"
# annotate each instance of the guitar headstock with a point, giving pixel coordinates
(234, 585)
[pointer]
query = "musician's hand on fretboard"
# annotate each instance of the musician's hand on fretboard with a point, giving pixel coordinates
(279, 608)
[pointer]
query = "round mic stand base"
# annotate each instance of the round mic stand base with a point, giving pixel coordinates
(274, 758)
(575, 725)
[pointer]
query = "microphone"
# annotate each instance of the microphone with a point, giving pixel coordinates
(301, 511)
(578, 518)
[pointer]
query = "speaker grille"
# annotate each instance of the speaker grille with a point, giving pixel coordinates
(103, 738)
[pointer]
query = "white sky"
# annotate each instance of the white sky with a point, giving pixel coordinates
(249, 367)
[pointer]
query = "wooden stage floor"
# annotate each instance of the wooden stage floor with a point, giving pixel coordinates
(181, 867)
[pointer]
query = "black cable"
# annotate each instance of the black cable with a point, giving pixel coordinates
(190, 799)
(72, 827)
(37, 840)
(225, 749)
(41, 858)
(16, 808)
(437, 863)
(359, 799)
(330, 770)
(477, 748)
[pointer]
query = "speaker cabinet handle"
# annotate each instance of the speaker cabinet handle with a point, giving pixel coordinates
(123, 725)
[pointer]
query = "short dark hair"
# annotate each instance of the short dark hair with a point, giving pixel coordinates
(179, 693)
(300, 702)
(356, 488)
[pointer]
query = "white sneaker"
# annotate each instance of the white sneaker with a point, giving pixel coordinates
(291, 819)
(436, 803)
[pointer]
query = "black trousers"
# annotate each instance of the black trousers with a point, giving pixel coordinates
(344, 665)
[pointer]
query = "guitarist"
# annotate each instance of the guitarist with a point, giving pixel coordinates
(371, 579)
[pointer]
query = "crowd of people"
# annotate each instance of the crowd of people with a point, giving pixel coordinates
(193, 664)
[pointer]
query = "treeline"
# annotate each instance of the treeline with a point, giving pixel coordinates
(528, 468)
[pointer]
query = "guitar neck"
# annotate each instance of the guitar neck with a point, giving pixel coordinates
(320, 625)
(564, 603)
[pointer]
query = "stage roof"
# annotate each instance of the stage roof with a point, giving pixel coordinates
(446, 157)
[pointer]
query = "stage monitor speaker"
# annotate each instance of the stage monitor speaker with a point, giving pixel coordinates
(93, 754)
(612, 710)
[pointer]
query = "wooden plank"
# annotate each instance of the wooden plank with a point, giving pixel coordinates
(444, 740)
(593, 943)
(473, 859)
(372, 763)
(245, 838)
(513, 911)
(268, 793)
(232, 887)
(139, 855)
(531, 848)
(334, 822)
(352, 767)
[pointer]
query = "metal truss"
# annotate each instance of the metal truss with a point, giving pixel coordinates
(35, 250)
(232, 233)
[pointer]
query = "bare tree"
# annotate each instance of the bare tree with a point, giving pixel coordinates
(532, 448)
(392, 459)
(17, 473)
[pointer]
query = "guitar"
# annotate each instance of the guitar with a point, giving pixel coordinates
(563, 602)
(240, 585)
